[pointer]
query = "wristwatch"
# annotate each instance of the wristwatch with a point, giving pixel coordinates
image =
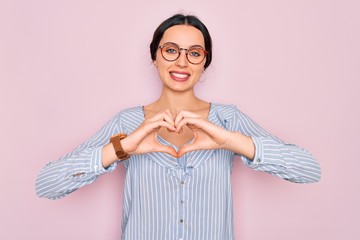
(115, 141)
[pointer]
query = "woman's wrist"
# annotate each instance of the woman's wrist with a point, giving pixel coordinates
(241, 144)
(108, 155)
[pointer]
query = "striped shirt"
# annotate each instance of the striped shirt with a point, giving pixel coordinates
(187, 198)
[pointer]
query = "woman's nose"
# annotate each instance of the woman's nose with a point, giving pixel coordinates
(182, 60)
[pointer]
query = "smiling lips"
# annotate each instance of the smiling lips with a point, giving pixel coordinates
(179, 76)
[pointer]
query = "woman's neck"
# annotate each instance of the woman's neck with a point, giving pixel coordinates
(177, 101)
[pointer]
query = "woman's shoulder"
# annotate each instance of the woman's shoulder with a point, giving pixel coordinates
(131, 112)
(226, 109)
(224, 113)
(130, 118)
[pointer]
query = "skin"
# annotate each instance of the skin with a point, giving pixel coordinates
(178, 116)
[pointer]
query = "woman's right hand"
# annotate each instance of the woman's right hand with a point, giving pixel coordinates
(144, 138)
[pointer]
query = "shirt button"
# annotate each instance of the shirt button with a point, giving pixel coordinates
(182, 182)
(258, 160)
(181, 221)
(181, 201)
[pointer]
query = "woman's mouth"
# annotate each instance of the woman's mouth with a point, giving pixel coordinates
(179, 76)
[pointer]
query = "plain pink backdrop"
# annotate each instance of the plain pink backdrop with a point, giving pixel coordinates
(67, 66)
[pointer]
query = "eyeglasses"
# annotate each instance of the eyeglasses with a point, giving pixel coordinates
(171, 52)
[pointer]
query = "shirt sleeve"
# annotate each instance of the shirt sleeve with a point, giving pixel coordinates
(78, 168)
(274, 156)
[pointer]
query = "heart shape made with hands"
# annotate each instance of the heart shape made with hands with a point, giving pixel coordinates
(185, 136)
(196, 134)
(186, 141)
(187, 131)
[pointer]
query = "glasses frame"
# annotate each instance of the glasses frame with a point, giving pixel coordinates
(180, 49)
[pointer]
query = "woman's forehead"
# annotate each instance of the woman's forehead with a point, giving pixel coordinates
(183, 35)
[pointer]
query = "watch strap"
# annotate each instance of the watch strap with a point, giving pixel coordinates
(116, 142)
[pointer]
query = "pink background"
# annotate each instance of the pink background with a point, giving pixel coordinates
(67, 66)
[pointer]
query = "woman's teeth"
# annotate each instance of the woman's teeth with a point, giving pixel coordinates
(180, 75)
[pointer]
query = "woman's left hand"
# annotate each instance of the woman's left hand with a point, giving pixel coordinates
(206, 134)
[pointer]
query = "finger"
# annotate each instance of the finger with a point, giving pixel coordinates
(169, 150)
(150, 127)
(178, 117)
(185, 149)
(190, 122)
(163, 148)
(165, 124)
(164, 115)
(203, 124)
(168, 117)
(189, 147)
(184, 114)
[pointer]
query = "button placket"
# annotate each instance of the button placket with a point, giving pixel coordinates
(182, 185)
(181, 207)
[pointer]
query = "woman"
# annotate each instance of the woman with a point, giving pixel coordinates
(178, 150)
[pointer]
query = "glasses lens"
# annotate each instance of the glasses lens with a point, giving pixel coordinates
(170, 52)
(196, 55)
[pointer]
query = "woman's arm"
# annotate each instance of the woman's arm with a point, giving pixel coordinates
(257, 148)
(96, 156)
(273, 155)
(80, 167)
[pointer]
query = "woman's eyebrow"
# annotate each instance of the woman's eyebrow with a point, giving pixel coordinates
(196, 46)
(192, 46)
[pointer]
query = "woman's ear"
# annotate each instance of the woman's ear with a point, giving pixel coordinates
(155, 64)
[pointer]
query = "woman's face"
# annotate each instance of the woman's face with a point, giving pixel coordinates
(180, 75)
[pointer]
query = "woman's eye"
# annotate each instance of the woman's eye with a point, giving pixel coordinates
(171, 50)
(195, 53)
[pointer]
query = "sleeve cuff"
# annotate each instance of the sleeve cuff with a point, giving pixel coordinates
(96, 166)
(259, 153)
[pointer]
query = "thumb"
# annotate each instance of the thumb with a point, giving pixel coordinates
(184, 149)
(188, 147)
(168, 150)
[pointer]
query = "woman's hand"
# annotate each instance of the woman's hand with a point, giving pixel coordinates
(206, 134)
(144, 138)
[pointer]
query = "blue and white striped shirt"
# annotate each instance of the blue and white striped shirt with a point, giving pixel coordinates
(168, 198)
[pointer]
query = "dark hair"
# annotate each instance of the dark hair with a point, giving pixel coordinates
(180, 19)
